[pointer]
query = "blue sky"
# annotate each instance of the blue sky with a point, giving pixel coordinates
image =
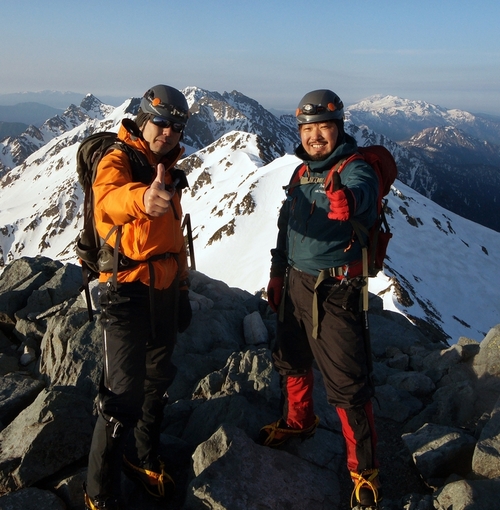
(442, 51)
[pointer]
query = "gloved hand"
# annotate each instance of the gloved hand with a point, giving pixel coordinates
(342, 201)
(185, 312)
(274, 291)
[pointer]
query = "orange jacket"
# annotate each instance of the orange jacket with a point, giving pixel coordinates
(119, 201)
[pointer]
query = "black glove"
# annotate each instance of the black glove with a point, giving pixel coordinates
(185, 312)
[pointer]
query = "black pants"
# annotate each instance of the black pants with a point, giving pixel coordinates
(340, 353)
(136, 374)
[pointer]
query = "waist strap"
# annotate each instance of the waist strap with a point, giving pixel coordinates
(340, 273)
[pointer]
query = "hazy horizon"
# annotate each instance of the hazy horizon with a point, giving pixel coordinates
(445, 53)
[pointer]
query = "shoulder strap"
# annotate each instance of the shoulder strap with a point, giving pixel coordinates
(142, 171)
(296, 178)
(340, 166)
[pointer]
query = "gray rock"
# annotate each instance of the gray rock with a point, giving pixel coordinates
(229, 409)
(486, 459)
(245, 373)
(415, 383)
(254, 330)
(31, 499)
(37, 443)
(469, 346)
(20, 278)
(325, 449)
(441, 361)
(468, 495)
(64, 285)
(7, 325)
(223, 393)
(17, 391)
(440, 451)
(395, 404)
(71, 353)
(192, 367)
(267, 479)
(69, 489)
(387, 333)
(26, 330)
(452, 405)
(8, 364)
(487, 361)
(399, 361)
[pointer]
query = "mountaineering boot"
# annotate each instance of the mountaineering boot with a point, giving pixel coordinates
(277, 433)
(99, 502)
(367, 492)
(154, 479)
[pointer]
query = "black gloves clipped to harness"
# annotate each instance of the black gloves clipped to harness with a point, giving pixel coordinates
(185, 312)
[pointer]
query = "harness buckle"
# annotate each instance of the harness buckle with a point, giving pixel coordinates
(345, 273)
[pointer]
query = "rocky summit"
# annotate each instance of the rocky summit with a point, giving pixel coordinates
(436, 406)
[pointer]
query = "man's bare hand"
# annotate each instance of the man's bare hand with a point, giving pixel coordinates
(156, 198)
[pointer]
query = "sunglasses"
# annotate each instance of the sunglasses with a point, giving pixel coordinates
(163, 123)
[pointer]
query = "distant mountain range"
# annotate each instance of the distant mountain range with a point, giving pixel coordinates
(11, 129)
(28, 113)
(54, 98)
(20, 110)
(453, 155)
(400, 119)
(238, 157)
(450, 156)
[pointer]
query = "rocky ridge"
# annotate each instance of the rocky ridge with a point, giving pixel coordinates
(437, 407)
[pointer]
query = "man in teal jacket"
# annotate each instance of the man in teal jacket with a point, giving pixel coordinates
(315, 287)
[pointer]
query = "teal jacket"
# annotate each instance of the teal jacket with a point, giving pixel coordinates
(307, 239)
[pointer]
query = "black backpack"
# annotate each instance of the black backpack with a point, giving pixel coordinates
(93, 252)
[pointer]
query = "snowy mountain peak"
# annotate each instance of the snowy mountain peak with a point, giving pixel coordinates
(391, 105)
(214, 115)
(94, 108)
(400, 118)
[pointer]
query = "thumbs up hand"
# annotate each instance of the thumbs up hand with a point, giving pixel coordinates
(156, 198)
(342, 201)
(159, 182)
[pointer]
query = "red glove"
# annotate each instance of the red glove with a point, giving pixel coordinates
(342, 201)
(342, 204)
(274, 291)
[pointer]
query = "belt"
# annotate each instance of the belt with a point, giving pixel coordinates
(348, 271)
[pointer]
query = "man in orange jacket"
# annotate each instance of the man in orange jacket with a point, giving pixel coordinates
(144, 304)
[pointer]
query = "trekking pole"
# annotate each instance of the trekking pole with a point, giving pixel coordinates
(366, 324)
(187, 224)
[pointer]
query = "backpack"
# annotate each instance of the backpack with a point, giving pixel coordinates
(379, 235)
(93, 252)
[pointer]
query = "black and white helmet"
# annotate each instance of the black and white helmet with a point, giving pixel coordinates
(167, 102)
(319, 106)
